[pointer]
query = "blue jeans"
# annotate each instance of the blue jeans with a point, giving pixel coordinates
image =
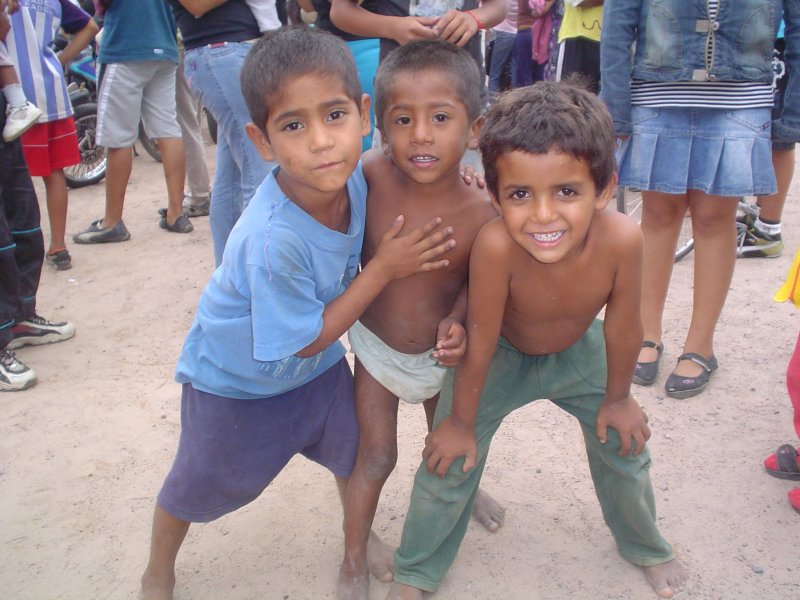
(502, 46)
(213, 77)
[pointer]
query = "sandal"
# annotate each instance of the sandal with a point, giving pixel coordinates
(783, 464)
(681, 387)
(646, 372)
(60, 259)
(181, 224)
(794, 499)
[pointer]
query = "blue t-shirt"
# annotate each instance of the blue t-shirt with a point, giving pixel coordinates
(138, 30)
(264, 303)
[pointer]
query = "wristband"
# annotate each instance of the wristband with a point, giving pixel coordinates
(477, 20)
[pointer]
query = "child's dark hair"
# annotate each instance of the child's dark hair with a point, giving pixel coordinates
(288, 53)
(550, 116)
(430, 55)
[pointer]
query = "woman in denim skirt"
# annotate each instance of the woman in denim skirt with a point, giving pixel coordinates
(689, 86)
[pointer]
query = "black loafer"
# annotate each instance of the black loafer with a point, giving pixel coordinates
(646, 372)
(680, 386)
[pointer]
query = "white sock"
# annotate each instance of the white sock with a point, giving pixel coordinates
(15, 96)
(768, 228)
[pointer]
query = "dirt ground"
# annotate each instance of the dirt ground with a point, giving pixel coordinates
(83, 454)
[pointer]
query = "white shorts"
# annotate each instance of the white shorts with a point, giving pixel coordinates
(411, 377)
(134, 91)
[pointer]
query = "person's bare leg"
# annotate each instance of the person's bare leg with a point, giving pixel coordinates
(771, 207)
(379, 560)
(400, 591)
(158, 580)
(174, 162)
(364, 552)
(667, 578)
(662, 218)
(118, 173)
(714, 229)
(55, 186)
(486, 510)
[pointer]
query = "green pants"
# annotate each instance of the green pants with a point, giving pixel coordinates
(575, 380)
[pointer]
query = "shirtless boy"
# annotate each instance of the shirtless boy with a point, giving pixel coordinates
(428, 111)
(539, 276)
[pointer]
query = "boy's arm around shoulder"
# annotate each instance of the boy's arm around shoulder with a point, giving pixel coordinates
(622, 327)
(488, 291)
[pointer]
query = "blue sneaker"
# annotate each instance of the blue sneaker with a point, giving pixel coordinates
(94, 234)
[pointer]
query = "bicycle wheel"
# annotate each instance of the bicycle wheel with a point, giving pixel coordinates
(92, 167)
(149, 144)
(629, 202)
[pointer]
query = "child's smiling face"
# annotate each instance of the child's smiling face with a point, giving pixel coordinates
(314, 132)
(425, 125)
(548, 202)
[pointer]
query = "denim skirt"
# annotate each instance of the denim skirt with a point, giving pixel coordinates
(722, 152)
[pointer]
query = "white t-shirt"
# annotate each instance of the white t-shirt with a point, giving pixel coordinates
(265, 13)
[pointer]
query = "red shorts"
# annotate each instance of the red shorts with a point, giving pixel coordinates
(51, 146)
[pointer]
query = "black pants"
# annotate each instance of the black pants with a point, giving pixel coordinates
(21, 241)
(581, 56)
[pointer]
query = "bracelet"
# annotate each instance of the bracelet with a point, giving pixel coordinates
(477, 20)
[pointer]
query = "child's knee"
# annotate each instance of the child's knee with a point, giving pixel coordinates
(378, 459)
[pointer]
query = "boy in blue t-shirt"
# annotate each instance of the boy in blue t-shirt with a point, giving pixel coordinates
(262, 368)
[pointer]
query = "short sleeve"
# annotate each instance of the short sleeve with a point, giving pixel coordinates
(73, 18)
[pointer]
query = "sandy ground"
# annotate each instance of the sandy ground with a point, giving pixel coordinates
(83, 453)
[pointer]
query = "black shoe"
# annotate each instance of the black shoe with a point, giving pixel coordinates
(646, 372)
(681, 386)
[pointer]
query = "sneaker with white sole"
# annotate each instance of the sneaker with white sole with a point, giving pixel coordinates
(757, 244)
(37, 331)
(19, 119)
(14, 374)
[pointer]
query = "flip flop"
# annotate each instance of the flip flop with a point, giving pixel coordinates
(783, 464)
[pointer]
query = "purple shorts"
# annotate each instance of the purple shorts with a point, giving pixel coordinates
(230, 450)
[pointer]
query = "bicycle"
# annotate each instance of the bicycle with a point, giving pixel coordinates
(629, 202)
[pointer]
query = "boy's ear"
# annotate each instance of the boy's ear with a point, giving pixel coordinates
(260, 141)
(474, 131)
(604, 197)
(495, 203)
(366, 125)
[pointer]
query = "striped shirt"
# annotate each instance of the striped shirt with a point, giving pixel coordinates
(33, 28)
(703, 94)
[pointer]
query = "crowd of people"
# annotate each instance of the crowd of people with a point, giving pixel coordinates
(339, 205)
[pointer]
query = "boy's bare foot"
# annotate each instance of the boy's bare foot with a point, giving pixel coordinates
(354, 584)
(380, 558)
(400, 591)
(156, 589)
(488, 511)
(667, 578)
(352, 587)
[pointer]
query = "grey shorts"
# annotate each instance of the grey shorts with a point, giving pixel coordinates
(230, 450)
(133, 91)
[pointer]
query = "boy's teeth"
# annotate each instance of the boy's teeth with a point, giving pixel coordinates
(547, 237)
(424, 158)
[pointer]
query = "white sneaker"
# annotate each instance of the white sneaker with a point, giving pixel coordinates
(14, 374)
(19, 120)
